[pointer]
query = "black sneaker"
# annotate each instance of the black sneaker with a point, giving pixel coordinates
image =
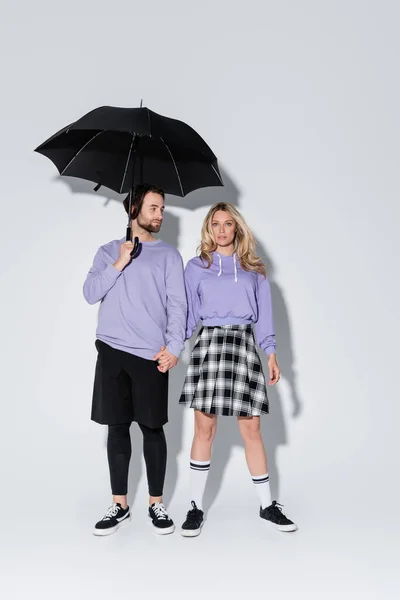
(193, 523)
(115, 517)
(274, 516)
(158, 515)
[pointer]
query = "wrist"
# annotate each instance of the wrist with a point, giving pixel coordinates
(119, 265)
(174, 351)
(272, 357)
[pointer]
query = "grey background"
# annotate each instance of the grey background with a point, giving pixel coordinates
(299, 100)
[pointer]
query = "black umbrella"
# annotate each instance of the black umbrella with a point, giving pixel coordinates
(122, 147)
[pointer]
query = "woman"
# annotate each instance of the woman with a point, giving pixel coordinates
(227, 289)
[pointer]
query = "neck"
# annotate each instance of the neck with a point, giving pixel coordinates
(226, 250)
(142, 234)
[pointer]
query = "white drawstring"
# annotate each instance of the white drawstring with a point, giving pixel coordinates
(220, 265)
(234, 266)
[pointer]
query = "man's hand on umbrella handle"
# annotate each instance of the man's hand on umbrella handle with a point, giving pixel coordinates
(166, 360)
(124, 256)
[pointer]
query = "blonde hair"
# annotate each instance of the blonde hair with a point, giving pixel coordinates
(244, 242)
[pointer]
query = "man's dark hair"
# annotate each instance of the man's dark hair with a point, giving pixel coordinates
(139, 193)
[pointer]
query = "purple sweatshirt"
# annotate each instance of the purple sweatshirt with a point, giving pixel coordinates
(143, 307)
(226, 294)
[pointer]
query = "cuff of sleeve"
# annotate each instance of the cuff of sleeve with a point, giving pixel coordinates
(270, 350)
(175, 349)
(188, 334)
(112, 273)
(268, 344)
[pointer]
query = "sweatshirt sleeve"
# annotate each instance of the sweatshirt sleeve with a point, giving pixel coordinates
(193, 299)
(100, 279)
(264, 326)
(176, 306)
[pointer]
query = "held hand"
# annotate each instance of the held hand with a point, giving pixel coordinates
(274, 370)
(124, 256)
(166, 360)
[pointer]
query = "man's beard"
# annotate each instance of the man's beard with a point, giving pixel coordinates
(150, 226)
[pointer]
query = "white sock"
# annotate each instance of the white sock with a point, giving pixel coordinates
(264, 492)
(198, 478)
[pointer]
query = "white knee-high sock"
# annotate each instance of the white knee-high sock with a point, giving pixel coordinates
(264, 492)
(198, 478)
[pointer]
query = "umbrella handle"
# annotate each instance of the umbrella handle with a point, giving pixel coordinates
(136, 247)
(136, 244)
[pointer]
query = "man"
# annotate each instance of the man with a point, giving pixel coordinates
(140, 335)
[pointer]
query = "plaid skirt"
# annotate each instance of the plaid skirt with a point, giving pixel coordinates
(225, 375)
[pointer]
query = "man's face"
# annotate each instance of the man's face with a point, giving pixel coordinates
(151, 215)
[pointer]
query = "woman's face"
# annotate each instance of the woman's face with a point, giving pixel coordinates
(224, 228)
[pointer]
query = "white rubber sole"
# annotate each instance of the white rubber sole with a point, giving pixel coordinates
(283, 528)
(191, 532)
(104, 532)
(159, 531)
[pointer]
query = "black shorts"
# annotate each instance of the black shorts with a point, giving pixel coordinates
(128, 388)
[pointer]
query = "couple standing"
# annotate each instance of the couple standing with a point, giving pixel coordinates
(149, 307)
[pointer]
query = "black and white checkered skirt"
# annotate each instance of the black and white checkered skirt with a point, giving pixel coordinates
(225, 375)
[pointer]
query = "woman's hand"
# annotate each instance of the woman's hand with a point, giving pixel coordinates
(166, 360)
(274, 370)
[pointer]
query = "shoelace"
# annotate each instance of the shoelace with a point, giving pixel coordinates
(111, 512)
(276, 509)
(193, 513)
(160, 510)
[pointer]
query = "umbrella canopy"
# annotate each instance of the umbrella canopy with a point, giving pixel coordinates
(122, 147)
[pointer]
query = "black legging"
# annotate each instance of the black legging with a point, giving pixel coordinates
(119, 452)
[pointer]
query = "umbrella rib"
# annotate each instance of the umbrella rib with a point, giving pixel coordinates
(176, 168)
(127, 163)
(148, 118)
(83, 147)
(217, 174)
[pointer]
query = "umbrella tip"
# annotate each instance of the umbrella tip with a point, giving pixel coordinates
(141, 103)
